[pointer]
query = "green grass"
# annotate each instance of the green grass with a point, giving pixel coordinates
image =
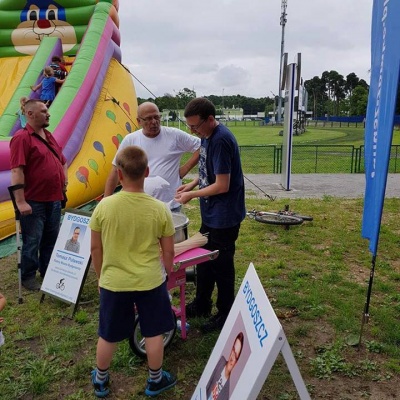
(315, 275)
(263, 135)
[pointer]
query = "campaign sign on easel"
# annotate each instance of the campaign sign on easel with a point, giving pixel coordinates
(247, 348)
(69, 260)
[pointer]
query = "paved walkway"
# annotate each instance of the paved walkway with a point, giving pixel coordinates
(315, 185)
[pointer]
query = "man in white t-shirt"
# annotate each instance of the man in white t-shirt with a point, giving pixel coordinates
(164, 147)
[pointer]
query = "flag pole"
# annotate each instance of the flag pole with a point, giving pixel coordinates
(365, 317)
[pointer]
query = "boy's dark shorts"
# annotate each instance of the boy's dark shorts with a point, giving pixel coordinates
(117, 314)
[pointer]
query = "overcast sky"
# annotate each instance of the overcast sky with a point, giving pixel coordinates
(229, 47)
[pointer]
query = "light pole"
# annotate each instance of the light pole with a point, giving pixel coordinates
(223, 95)
(177, 109)
(275, 96)
(283, 21)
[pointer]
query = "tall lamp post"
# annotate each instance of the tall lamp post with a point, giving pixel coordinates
(283, 23)
(223, 103)
(275, 98)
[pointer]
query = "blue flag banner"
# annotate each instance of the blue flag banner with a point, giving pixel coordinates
(385, 64)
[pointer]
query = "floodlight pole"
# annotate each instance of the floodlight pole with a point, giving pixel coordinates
(275, 98)
(223, 95)
(283, 21)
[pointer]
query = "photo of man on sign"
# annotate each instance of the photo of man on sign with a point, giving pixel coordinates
(73, 244)
(218, 385)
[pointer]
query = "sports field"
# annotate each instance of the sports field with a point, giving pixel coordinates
(318, 150)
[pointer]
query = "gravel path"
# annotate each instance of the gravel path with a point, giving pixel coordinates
(315, 185)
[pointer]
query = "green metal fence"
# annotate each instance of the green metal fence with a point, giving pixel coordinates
(311, 159)
(334, 124)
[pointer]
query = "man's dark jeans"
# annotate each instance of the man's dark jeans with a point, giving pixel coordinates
(39, 234)
(220, 271)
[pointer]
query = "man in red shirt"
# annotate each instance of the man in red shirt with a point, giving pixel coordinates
(38, 164)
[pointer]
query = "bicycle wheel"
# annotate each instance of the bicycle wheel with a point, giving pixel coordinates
(136, 341)
(277, 219)
(303, 217)
(294, 214)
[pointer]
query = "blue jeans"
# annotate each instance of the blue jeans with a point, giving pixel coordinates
(39, 235)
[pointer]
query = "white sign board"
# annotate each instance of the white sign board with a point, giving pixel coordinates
(246, 349)
(69, 260)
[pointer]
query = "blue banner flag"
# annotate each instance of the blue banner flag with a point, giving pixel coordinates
(385, 56)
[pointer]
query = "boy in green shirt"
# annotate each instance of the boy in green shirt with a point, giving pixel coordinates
(128, 230)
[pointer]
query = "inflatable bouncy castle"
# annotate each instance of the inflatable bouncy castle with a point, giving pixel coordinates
(96, 105)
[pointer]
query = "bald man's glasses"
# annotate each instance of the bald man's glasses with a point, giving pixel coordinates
(149, 119)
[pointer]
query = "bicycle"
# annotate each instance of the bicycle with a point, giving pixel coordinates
(282, 217)
(177, 279)
(61, 285)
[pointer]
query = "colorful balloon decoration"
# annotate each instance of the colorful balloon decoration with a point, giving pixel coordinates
(127, 108)
(83, 176)
(99, 147)
(120, 137)
(115, 141)
(128, 127)
(93, 164)
(111, 115)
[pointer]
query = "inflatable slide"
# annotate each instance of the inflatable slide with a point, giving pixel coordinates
(96, 105)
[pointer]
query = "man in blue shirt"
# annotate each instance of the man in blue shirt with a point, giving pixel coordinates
(222, 205)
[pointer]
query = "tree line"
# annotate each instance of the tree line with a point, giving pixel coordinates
(333, 94)
(330, 94)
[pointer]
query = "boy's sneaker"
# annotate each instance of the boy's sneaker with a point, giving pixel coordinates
(101, 389)
(155, 388)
